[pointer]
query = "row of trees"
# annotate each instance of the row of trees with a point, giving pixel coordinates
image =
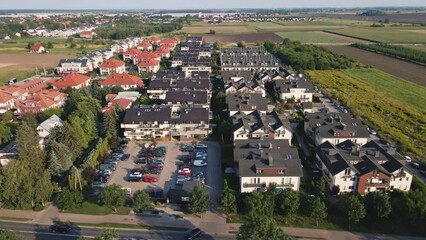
(307, 57)
(131, 26)
(408, 54)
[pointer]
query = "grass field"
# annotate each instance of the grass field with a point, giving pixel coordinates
(20, 74)
(385, 34)
(95, 209)
(308, 37)
(382, 102)
(417, 47)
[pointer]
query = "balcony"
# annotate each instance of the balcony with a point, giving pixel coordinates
(286, 185)
(378, 184)
(254, 185)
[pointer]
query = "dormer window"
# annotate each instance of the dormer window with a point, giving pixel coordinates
(258, 171)
(281, 171)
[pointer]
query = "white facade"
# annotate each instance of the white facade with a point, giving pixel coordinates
(401, 180)
(189, 69)
(319, 140)
(280, 133)
(299, 94)
(250, 184)
(109, 71)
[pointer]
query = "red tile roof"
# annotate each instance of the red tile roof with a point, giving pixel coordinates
(86, 33)
(42, 100)
(132, 51)
(110, 96)
(149, 63)
(162, 50)
(112, 63)
(144, 44)
(122, 79)
(154, 39)
(122, 102)
(36, 47)
(70, 80)
(147, 55)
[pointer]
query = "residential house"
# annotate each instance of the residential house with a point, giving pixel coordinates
(241, 82)
(10, 96)
(164, 52)
(124, 80)
(41, 101)
(257, 125)
(145, 56)
(246, 103)
(182, 97)
(73, 80)
(112, 66)
(87, 34)
(247, 59)
(301, 90)
(46, 127)
(164, 121)
(144, 46)
(37, 48)
(154, 40)
(81, 66)
(264, 162)
(36, 84)
(149, 65)
(121, 103)
(335, 128)
(130, 54)
(375, 166)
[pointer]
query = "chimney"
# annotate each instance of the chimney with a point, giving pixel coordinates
(354, 149)
(377, 153)
(270, 161)
(270, 145)
(259, 146)
(343, 126)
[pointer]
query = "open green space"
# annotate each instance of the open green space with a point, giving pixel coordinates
(405, 91)
(383, 102)
(7, 74)
(417, 47)
(130, 226)
(385, 34)
(95, 209)
(307, 37)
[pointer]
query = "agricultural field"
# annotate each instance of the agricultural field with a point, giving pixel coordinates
(60, 45)
(24, 65)
(220, 29)
(386, 34)
(317, 37)
(391, 115)
(417, 47)
(246, 37)
(401, 69)
(416, 18)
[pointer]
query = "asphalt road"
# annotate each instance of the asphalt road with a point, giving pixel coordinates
(40, 232)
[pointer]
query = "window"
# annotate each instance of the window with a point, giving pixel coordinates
(351, 187)
(259, 171)
(281, 171)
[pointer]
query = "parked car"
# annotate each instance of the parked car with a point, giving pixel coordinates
(116, 155)
(140, 161)
(107, 172)
(193, 234)
(186, 148)
(407, 158)
(60, 228)
(125, 157)
(153, 166)
(415, 165)
(198, 175)
(200, 163)
(135, 178)
(184, 171)
(98, 184)
(154, 171)
(185, 166)
(181, 178)
(201, 146)
(150, 179)
(200, 155)
(371, 131)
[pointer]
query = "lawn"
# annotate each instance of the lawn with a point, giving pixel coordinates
(20, 74)
(378, 106)
(307, 37)
(384, 34)
(417, 47)
(95, 209)
(15, 219)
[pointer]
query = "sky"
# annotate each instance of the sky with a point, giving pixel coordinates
(201, 4)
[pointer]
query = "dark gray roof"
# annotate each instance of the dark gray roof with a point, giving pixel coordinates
(168, 74)
(246, 102)
(247, 57)
(336, 125)
(256, 120)
(361, 159)
(271, 161)
(285, 86)
(261, 144)
(161, 113)
(232, 76)
(190, 97)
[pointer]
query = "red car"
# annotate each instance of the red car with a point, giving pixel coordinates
(155, 166)
(185, 166)
(149, 179)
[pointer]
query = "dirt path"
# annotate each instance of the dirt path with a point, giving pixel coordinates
(405, 70)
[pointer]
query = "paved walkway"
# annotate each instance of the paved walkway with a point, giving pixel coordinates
(210, 222)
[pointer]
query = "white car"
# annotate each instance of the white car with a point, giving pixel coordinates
(201, 146)
(407, 158)
(181, 178)
(185, 170)
(98, 184)
(200, 155)
(200, 163)
(135, 175)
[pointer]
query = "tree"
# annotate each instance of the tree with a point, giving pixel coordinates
(241, 44)
(318, 210)
(27, 145)
(60, 156)
(141, 200)
(49, 45)
(110, 123)
(9, 235)
(212, 31)
(260, 227)
(7, 116)
(216, 46)
(352, 207)
(108, 234)
(377, 205)
(113, 196)
(228, 202)
(258, 203)
(68, 199)
(30, 44)
(5, 133)
(73, 45)
(89, 174)
(199, 200)
(288, 203)
(74, 179)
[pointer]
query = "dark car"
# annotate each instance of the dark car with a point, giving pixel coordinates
(140, 161)
(193, 234)
(60, 228)
(125, 157)
(134, 179)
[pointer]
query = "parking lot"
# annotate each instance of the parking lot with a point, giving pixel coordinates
(167, 178)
